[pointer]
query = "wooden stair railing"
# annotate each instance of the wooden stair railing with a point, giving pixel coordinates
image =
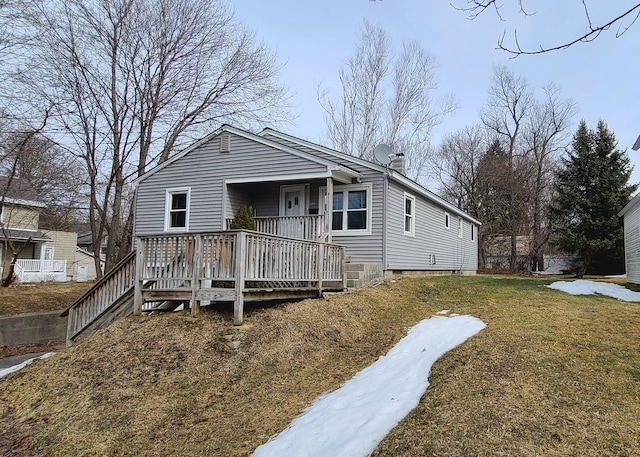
(113, 291)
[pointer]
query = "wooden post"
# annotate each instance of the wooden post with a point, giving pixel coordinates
(71, 323)
(328, 210)
(196, 271)
(238, 304)
(137, 282)
(320, 264)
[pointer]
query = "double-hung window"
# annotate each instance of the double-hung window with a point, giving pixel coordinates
(409, 214)
(177, 209)
(351, 210)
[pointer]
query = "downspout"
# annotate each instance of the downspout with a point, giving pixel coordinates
(385, 193)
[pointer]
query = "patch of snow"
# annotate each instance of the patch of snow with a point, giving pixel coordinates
(352, 420)
(20, 366)
(585, 287)
(444, 311)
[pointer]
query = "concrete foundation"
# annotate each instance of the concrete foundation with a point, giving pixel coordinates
(32, 328)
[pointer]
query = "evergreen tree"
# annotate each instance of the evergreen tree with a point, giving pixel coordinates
(591, 190)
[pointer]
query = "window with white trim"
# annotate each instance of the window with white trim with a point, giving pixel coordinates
(460, 232)
(446, 220)
(351, 209)
(473, 232)
(177, 209)
(409, 214)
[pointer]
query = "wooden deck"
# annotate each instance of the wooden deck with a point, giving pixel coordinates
(200, 268)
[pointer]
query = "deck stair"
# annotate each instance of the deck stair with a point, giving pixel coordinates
(109, 299)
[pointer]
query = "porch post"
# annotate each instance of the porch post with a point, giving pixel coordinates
(137, 280)
(328, 210)
(196, 271)
(238, 304)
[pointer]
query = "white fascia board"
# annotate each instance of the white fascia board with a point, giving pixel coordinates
(317, 147)
(18, 201)
(431, 196)
(250, 136)
(338, 175)
(633, 202)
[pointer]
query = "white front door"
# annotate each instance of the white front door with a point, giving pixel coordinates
(292, 200)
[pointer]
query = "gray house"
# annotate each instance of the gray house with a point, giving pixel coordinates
(387, 223)
(325, 221)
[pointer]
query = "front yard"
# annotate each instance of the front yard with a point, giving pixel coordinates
(551, 374)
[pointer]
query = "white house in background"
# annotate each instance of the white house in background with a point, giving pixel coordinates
(631, 218)
(42, 255)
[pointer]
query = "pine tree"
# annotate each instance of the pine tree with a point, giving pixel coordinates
(591, 189)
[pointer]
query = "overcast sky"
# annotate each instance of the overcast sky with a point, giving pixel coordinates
(315, 39)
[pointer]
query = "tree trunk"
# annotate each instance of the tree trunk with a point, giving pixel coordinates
(8, 279)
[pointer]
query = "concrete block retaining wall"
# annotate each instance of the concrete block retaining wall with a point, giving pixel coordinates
(32, 328)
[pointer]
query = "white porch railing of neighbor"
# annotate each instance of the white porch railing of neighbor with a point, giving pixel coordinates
(29, 265)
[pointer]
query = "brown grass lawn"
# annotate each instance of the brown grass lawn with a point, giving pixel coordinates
(550, 375)
(48, 296)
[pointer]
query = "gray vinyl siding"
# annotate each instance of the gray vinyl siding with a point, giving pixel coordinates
(203, 170)
(432, 238)
(632, 244)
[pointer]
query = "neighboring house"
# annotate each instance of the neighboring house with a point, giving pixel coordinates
(19, 233)
(387, 223)
(498, 255)
(85, 242)
(631, 219)
(85, 266)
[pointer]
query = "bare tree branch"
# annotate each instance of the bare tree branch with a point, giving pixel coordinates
(475, 8)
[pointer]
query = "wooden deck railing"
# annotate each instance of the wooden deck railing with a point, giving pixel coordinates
(310, 227)
(112, 287)
(226, 265)
(218, 266)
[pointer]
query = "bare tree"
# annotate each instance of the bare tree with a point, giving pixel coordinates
(456, 164)
(386, 99)
(623, 19)
(545, 135)
(134, 80)
(510, 102)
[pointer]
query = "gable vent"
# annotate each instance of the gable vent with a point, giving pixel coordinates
(225, 142)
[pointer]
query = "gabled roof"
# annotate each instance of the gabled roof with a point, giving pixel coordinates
(393, 174)
(331, 166)
(16, 191)
(632, 203)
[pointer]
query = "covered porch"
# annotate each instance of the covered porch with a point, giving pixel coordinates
(298, 207)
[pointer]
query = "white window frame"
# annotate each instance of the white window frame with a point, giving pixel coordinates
(473, 231)
(447, 220)
(167, 209)
(460, 228)
(345, 189)
(412, 216)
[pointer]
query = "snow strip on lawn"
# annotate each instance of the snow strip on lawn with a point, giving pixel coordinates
(584, 287)
(20, 366)
(352, 420)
